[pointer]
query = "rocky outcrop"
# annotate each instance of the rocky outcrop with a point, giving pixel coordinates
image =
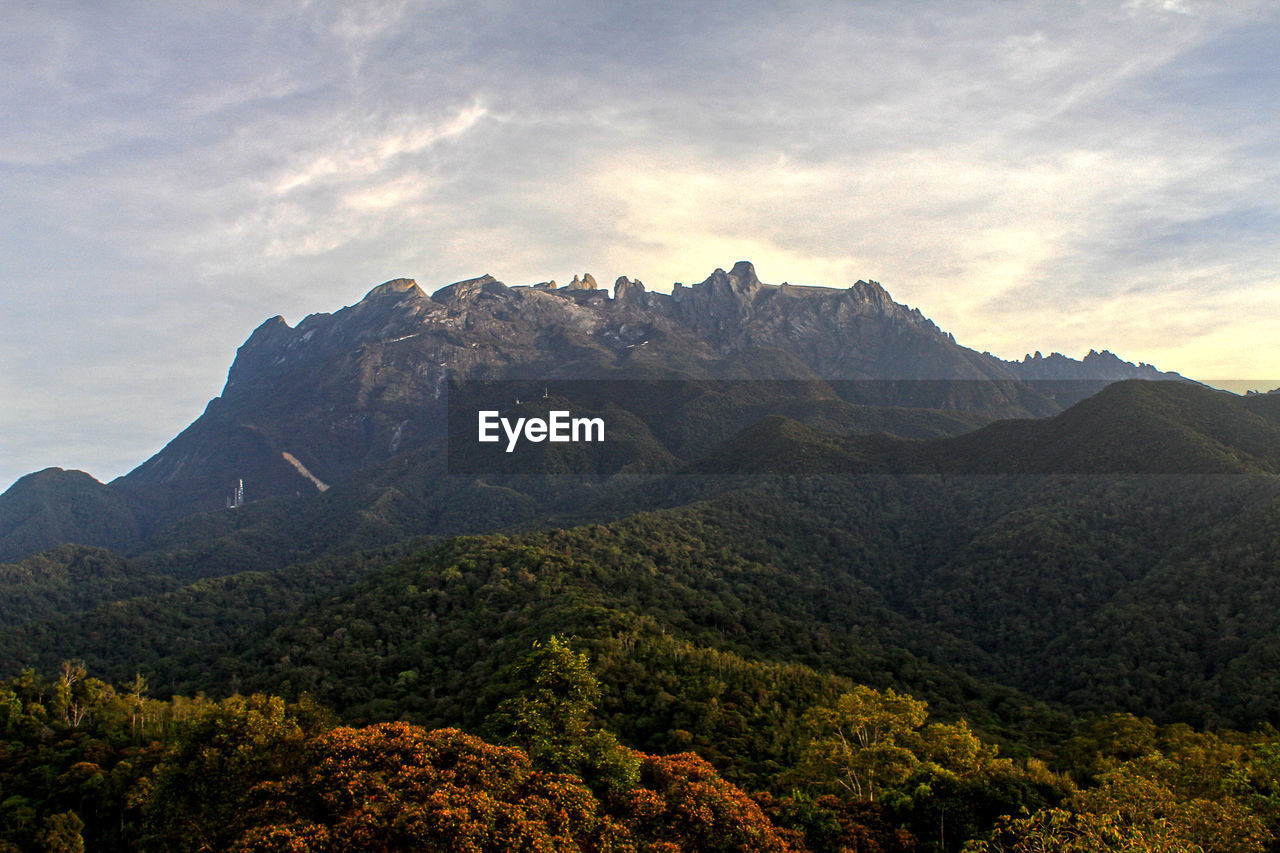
(627, 291)
(461, 290)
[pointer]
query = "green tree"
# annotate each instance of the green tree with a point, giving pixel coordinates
(863, 742)
(550, 717)
(201, 791)
(62, 833)
(1140, 806)
(65, 702)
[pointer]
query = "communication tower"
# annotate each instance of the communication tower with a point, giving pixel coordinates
(237, 497)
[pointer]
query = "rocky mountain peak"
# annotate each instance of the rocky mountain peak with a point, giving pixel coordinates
(626, 290)
(395, 287)
(743, 275)
(460, 290)
(736, 284)
(351, 388)
(269, 337)
(318, 404)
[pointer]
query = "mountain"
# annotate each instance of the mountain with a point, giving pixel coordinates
(762, 543)
(54, 506)
(340, 397)
(1130, 427)
(320, 402)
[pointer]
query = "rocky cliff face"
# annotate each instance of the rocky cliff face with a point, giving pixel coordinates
(483, 327)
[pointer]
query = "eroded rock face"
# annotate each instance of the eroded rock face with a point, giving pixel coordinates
(625, 290)
(342, 391)
(587, 282)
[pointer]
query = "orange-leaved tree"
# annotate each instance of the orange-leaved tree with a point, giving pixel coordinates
(398, 787)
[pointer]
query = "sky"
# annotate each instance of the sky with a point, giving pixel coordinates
(1053, 176)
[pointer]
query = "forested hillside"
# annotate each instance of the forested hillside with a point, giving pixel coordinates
(1147, 593)
(99, 767)
(1063, 628)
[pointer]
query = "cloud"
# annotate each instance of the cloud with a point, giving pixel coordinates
(1181, 7)
(358, 157)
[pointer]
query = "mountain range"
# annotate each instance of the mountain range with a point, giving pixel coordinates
(341, 396)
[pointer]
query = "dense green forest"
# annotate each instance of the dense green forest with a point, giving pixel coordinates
(89, 766)
(1048, 635)
(1151, 594)
(702, 631)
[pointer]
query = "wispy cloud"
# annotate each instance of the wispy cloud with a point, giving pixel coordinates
(360, 158)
